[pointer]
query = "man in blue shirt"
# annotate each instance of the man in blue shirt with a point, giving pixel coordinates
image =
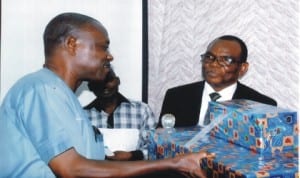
(44, 130)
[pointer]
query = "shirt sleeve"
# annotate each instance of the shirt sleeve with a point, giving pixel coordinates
(149, 122)
(44, 109)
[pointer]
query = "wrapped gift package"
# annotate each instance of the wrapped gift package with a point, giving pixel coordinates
(262, 128)
(165, 144)
(230, 161)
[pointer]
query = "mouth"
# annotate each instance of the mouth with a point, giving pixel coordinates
(107, 65)
(106, 91)
(211, 74)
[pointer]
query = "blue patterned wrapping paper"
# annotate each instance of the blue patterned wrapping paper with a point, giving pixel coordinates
(262, 128)
(231, 160)
(163, 144)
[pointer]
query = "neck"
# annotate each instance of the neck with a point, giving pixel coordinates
(65, 75)
(218, 88)
(109, 104)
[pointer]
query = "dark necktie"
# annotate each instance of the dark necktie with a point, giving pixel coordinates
(213, 97)
(110, 121)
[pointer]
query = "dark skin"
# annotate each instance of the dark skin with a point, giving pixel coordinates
(108, 96)
(109, 101)
(218, 76)
(81, 57)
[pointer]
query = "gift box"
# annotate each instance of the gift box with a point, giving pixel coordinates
(164, 143)
(262, 128)
(230, 161)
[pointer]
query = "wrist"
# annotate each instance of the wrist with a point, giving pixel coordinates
(136, 155)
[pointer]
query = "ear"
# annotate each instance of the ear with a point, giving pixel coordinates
(243, 69)
(70, 44)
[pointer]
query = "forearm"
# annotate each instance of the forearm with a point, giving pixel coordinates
(126, 169)
(71, 164)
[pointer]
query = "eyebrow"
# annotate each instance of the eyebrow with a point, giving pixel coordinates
(236, 57)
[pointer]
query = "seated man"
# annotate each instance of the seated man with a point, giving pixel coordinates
(223, 63)
(112, 110)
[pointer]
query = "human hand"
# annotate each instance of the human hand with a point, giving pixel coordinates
(120, 156)
(189, 164)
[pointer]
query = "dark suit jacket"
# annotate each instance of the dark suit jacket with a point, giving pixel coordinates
(184, 102)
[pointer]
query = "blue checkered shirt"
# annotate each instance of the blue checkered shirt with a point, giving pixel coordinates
(128, 114)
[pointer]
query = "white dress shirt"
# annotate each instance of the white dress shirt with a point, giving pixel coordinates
(226, 94)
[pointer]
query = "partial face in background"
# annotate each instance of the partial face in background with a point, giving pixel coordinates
(221, 64)
(107, 88)
(111, 86)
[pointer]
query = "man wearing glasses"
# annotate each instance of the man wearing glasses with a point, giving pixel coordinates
(223, 63)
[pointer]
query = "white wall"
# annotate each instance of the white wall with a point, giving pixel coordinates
(23, 23)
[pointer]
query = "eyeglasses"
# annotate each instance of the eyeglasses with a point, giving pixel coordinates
(222, 60)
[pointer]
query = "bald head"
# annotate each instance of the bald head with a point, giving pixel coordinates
(64, 25)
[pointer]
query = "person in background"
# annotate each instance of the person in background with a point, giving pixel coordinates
(44, 130)
(111, 109)
(223, 63)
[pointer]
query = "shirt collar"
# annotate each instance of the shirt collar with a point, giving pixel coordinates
(226, 93)
(121, 99)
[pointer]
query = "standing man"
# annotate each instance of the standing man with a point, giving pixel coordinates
(44, 130)
(111, 109)
(223, 63)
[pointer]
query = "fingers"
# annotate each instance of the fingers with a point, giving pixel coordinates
(204, 154)
(211, 155)
(198, 172)
(193, 168)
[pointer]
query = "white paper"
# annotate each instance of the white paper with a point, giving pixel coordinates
(120, 139)
(108, 152)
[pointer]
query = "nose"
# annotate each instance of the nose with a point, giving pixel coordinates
(109, 57)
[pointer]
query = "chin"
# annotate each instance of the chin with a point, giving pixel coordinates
(99, 77)
(95, 79)
(213, 81)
